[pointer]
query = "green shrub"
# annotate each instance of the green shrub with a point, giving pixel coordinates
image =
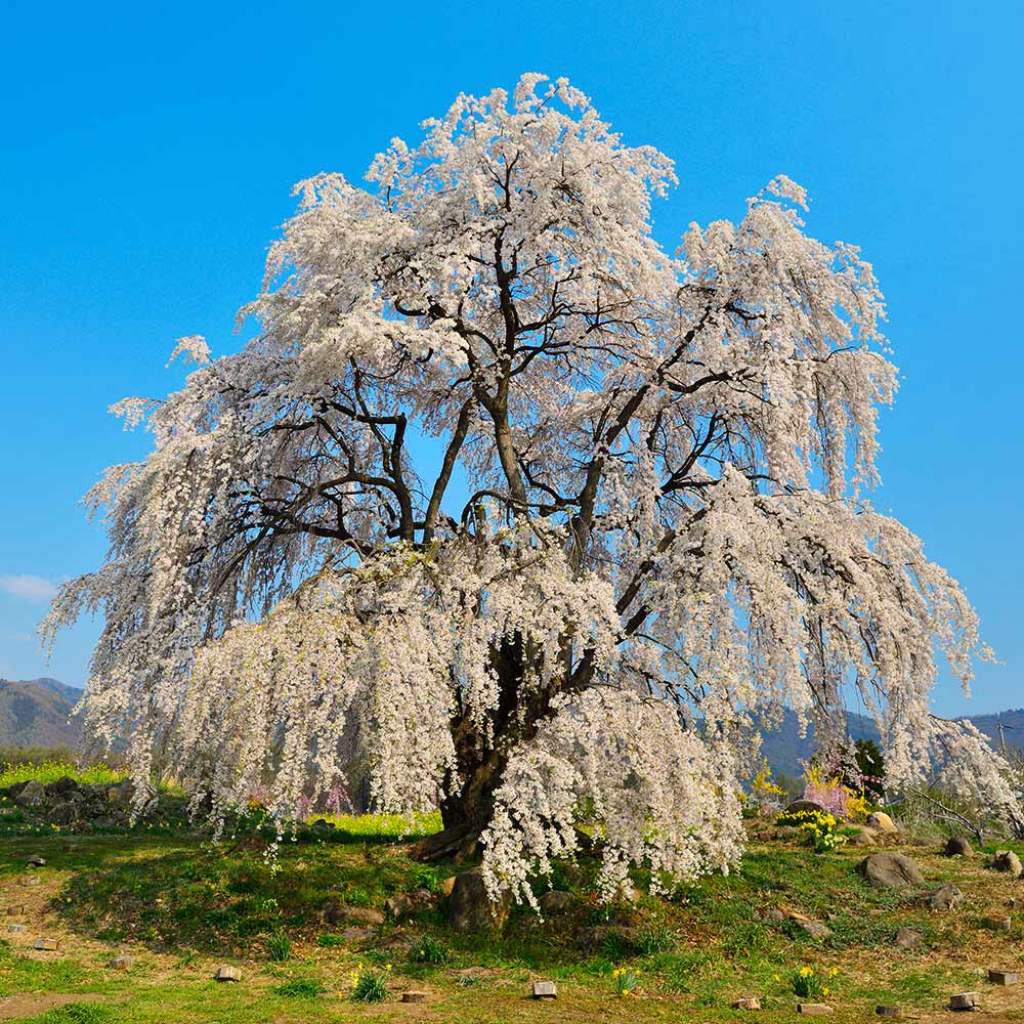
(429, 951)
(653, 940)
(77, 1013)
(371, 985)
(279, 947)
(301, 988)
(328, 940)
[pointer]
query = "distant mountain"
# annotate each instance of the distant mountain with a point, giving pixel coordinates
(785, 748)
(35, 713)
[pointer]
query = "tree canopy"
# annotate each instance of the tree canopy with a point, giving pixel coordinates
(523, 513)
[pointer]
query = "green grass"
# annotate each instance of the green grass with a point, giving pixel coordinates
(50, 771)
(182, 905)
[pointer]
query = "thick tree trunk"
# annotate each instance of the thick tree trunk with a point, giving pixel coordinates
(466, 810)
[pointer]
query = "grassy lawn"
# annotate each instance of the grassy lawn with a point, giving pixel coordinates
(181, 906)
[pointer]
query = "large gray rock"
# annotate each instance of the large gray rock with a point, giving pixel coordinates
(1007, 860)
(909, 938)
(890, 871)
(469, 906)
(32, 794)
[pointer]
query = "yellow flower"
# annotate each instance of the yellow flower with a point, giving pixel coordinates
(832, 973)
(806, 972)
(826, 990)
(775, 977)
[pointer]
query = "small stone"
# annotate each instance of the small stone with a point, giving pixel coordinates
(45, 944)
(957, 846)
(32, 880)
(123, 962)
(366, 916)
(1000, 924)
(909, 938)
(814, 1009)
(35, 861)
(964, 1001)
(881, 822)
(544, 990)
(227, 973)
(17, 929)
(815, 929)
(865, 836)
(889, 1011)
(16, 910)
(949, 897)
(747, 1003)
(774, 914)
(413, 996)
(1004, 977)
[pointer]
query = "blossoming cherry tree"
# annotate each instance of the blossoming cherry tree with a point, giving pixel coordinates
(521, 515)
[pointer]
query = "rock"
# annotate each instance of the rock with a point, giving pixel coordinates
(62, 787)
(555, 902)
(1007, 860)
(1004, 977)
(16, 910)
(64, 813)
(31, 880)
(774, 914)
(889, 1011)
(122, 794)
(123, 962)
(334, 913)
(446, 887)
(957, 846)
(49, 945)
(816, 929)
(1000, 924)
(227, 973)
(908, 938)
(890, 871)
(814, 1009)
(32, 794)
(964, 1001)
(747, 1003)
(17, 929)
(413, 996)
(949, 897)
(471, 909)
(798, 806)
(35, 861)
(544, 990)
(865, 836)
(357, 934)
(881, 822)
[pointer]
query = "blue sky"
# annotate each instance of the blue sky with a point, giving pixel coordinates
(148, 154)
